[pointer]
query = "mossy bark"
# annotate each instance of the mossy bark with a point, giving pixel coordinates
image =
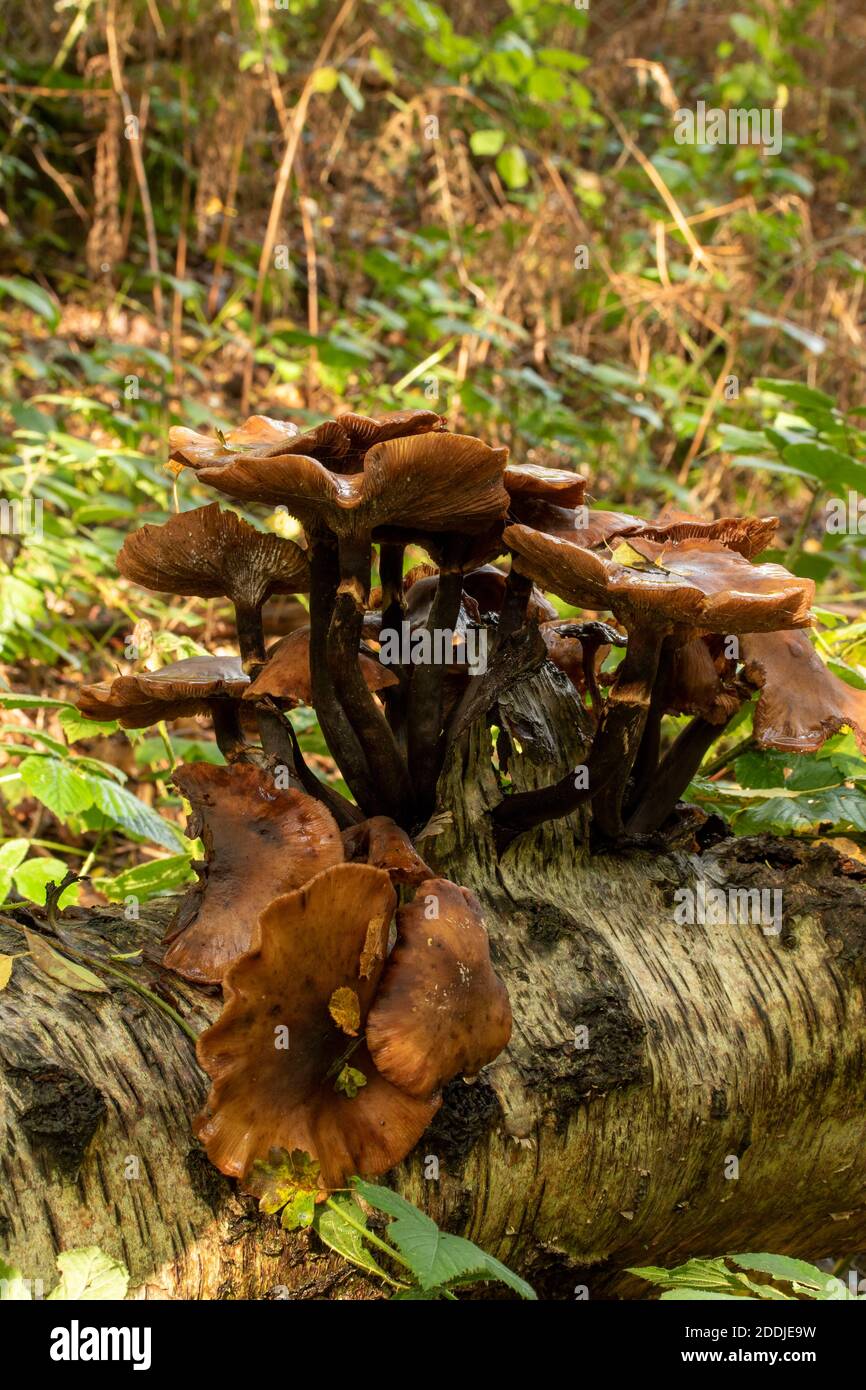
(707, 1051)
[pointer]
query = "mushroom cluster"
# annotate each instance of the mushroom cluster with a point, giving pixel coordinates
(293, 908)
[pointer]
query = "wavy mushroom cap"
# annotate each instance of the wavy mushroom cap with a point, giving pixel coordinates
(440, 1010)
(534, 481)
(258, 435)
(694, 583)
(183, 689)
(701, 683)
(330, 935)
(286, 673)
(801, 703)
(429, 482)
(749, 536)
(380, 841)
(210, 553)
(260, 840)
(486, 585)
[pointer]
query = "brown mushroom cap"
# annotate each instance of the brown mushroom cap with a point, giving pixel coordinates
(801, 702)
(440, 1010)
(380, 841)
(486, 585)
(747, 535)
(330, 935)
(260, 840)
(700, 683)
(183, 689)
(257, 435)
(209, 553)
(566, 653)
(525, 481)
(692, 583)
(431, 482)
(286, 673)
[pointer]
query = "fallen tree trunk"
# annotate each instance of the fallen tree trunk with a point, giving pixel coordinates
(670, 1090)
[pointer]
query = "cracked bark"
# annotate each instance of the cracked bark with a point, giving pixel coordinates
(568, 1163)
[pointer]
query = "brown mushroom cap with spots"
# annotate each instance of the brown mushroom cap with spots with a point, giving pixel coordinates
(260, 840)
(286, 672)
(381, 842)
(801, 703)
(440, 1010)
(330, 935)
(210, 552)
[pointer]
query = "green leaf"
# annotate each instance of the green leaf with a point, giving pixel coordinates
(783, 1267)
(147, 880)
(512, 167)
(14, 1288)
(12, 852)
(32, 702)
(325, 79)
(299, 1211)
(686, 1295)
(76, 727)
(125, 809)
(350, 1081)
(350, 91)
(58, 785)
(37, 299)
(483, 142)
(829, 465)
(435, 1257)
(279, 1180)
(337, 1231)
(89, 1274)
(795, 391)
(32, 880)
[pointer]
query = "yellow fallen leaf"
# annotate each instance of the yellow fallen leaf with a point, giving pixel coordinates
(5, 970)
(56, 967)
(345, 1010)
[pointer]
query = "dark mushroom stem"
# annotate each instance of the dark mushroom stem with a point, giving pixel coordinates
(336, 729)
(591, 636)
(393, 612)
(280, 741)
(647, 759)
(515, 602)
(225, 717)
(675, 772)
(426, 689)
(611, 755)
(624, 720)
(251, 635)
(391, 778)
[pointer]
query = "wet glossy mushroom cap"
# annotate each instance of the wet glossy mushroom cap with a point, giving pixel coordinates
(566, 653)
(530, 481)
(259, 435)
(365, 431)
(486, 585)
(260, 840)
(693, 583)
(210, 552)
(286, 673)
(330, 935)
(585, 526)
(801, 702)
(380, 841)
(427, 482)
(749, 536)
(440, 1010)
(183, 689)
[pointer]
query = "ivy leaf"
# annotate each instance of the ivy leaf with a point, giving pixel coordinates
(435, 1257)
(56, 967)
(89, 1274)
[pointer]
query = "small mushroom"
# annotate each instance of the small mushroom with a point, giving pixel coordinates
(210, 553)
(285, 675)
(329, 936)
(380, 841)
(440, 1010)
(197, 685)
(260, 840)
(801, 702)
(257, 435)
